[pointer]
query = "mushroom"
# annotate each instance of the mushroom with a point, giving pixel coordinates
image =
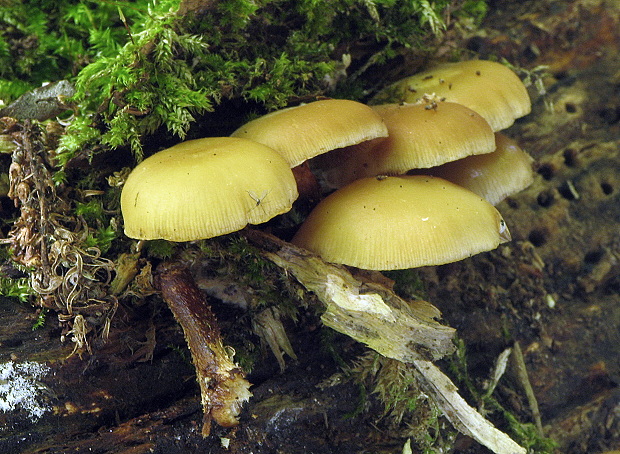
(421, 135)
(302, 132)
(494, 176)
(205, 188)
(386, 223)
(200, 189)
(489, 88)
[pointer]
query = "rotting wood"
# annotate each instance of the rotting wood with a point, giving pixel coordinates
(368, 312)
(406, 331)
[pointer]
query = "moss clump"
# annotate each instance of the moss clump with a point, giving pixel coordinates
(142, 65)
(43, 40)
(408, 412)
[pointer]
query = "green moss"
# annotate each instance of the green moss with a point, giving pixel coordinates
(41, 319)
(407, 411)
(524, 433)
(44, 40)
(101, 238)
(91, 211)
(16, 288)
(161, 249)
(254, 272)
(407, 283)
(140, 67)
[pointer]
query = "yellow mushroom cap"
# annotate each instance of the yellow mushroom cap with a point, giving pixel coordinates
(204, 188)
(420, 135)
(302, 132)
(493, 176)
(387, 223)
(489, 88)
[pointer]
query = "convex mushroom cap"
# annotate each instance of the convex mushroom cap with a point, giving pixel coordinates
(386, 223)
(489, 88)
(302, 132)
(205, 188)
(421, 135)
(494, 176)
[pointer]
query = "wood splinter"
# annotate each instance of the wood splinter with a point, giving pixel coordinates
(223, 386)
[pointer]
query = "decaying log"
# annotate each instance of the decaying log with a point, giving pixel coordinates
(368, 312)
(399, 329)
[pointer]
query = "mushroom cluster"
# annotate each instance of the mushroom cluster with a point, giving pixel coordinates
(416, 183)
(424, 192)
(442, 126)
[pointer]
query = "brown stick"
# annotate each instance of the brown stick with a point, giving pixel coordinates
(223, 386)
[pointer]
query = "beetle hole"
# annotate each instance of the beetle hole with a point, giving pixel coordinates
(547, 171)
(545, 199)
(570, 157)
(570, 107)
(538, 237)
(594, 256)
(610, 115)
(607, 188)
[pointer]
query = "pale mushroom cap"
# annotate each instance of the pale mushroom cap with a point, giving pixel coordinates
(489, 88)
(302, 132)
(493, 176)
(387, 223)
(204, 188)
(420, 136)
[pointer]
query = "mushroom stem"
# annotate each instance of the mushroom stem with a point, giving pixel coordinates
(307, 184)
(223, 386)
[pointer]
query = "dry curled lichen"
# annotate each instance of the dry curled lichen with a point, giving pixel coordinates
(48, 240)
